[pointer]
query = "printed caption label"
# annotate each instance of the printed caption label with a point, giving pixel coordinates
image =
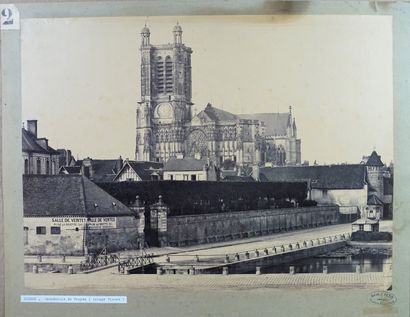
(73, 299)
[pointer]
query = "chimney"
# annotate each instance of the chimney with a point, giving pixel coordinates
(32, 127)
(120, 163)
(68, 157)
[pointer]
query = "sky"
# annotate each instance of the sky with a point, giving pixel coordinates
(81, 78)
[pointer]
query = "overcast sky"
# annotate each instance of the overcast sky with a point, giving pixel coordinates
(81, 78)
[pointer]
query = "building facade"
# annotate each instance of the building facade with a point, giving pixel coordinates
(190, 169)
(70, 215)
(38, 156)
(133, 171)
(166, 127)
(343, 185)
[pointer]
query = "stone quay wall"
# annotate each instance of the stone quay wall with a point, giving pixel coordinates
(217, 227)
(125, 236)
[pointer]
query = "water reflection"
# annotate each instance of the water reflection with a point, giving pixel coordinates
(336, 263)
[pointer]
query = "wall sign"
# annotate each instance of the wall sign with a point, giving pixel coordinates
(93, 223)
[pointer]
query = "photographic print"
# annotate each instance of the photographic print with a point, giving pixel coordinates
(215, 152)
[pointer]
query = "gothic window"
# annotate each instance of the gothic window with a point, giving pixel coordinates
(168, 75)
(197, 143)
(280, 156)
(160, 75)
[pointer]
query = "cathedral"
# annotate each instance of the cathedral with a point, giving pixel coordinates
(167, 126)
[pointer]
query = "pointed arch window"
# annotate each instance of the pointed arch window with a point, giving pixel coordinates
(160, 74)
(168, 75)
(280, 156)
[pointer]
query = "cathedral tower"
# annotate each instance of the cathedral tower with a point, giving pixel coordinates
(166, 91)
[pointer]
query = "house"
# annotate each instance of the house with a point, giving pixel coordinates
(38, 156)
(70, 215)
(139, 171)
(190, 169)
(97, 170)
(344, 185)
(365, 224)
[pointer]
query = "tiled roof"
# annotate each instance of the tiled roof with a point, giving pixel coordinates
(143, 169)
(236, 178)
(365, 221)
(67, 195)
(372, 199)
(72, 169)
(185, 164)
(211, 113)
(373, 160)
(321, 177)
(275, 123)
(103, 170)
(29, 144)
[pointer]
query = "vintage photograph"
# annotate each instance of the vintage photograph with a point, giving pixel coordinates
(207, 152)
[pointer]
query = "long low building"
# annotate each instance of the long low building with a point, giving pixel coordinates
(70, 215)
(343, 185)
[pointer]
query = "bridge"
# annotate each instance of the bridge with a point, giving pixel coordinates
(214, 256)
(249, 260)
